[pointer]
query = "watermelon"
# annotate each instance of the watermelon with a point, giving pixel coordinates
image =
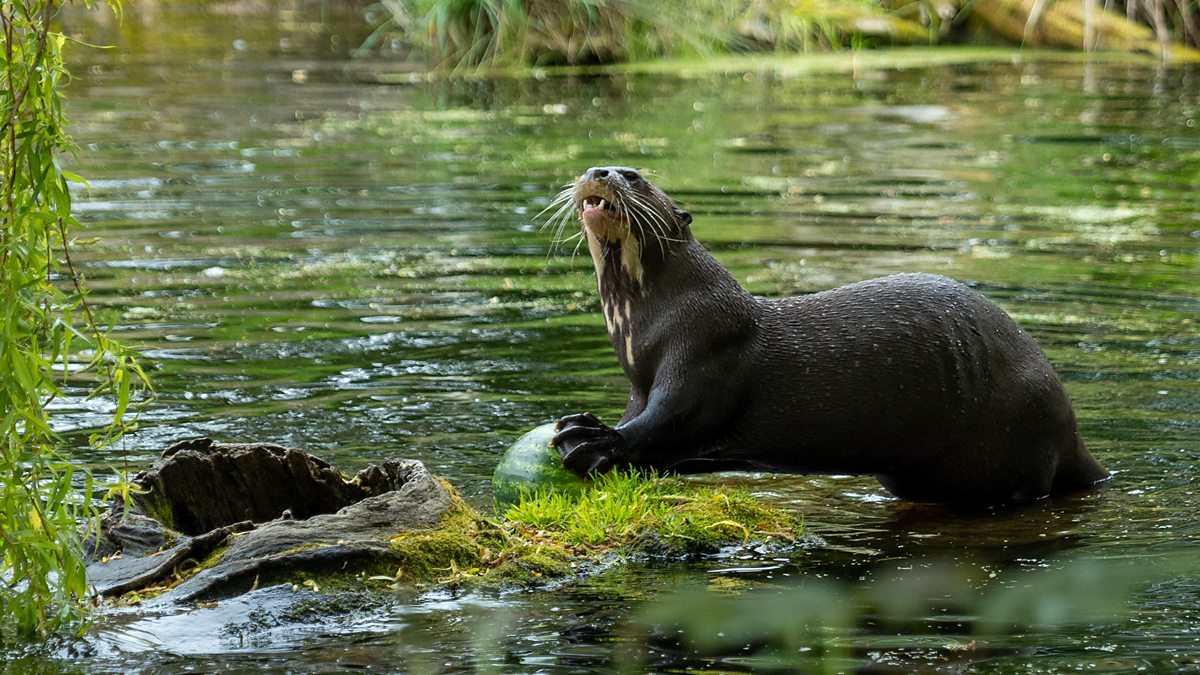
(531, 464)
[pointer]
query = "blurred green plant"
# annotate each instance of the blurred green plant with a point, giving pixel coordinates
(48, 337)
(456, 34)
(923, 606)
(915, 615)
(469, 33)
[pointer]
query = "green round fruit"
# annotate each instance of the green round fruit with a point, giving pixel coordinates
(531, 464)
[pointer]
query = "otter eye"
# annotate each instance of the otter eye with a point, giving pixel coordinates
(631, 176)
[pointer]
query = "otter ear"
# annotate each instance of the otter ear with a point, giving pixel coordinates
(683, 216)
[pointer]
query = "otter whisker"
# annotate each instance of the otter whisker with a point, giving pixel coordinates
(649, 210)
(639, 207)
(578, 236)
(563, 198)
(564, 193)
(664, 206)
(559, 239)
(654, 216)
(560, 217)
(561, 204)
(627, 213)
(656, 223)
(556, 240)
(578, 243)
(563, 211)
(563, 208)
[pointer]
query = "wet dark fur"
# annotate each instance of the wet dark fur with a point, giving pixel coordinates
(913, 378)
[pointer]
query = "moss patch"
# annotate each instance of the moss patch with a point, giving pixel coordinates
(549, 536)
(469, 549)
(631, 512)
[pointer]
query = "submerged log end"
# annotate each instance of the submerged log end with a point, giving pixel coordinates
(289, 509)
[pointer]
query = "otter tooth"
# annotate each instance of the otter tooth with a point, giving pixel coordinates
(603, 205)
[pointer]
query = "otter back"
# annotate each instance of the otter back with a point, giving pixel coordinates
(913, 378)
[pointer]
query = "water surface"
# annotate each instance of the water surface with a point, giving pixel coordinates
(310, 257)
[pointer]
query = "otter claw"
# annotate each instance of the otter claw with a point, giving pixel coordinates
(588, 457)
(586, 444)
(583, 419)
(600, 465)
(578, 435)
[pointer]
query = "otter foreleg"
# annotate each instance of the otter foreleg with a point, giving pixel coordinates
(671, 429)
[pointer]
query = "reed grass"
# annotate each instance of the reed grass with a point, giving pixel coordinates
(459, 34)
(463, 34)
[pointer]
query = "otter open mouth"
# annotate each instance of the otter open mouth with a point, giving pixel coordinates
(597, 202)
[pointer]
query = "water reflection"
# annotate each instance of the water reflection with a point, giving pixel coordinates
(310, 256)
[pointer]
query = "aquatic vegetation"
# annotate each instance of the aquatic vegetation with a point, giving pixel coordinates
(553, 535)
(507, 32)
(473, 550)
(470, 33)
(652, 513)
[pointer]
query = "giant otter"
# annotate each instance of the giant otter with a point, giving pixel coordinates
(913, 378)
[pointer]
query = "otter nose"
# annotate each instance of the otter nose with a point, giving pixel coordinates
(595, 172)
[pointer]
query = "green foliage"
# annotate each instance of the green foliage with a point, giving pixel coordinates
(471, 33)
(505, 32)
(806, 25)
(928, 606)
(42, 580)
(631, 510)
(467, 33)
(551, 534)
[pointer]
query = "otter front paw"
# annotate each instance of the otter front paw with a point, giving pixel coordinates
(587, 445)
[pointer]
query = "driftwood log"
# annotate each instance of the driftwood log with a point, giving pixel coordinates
(273, 511)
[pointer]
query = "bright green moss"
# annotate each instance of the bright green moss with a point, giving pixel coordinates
(550, 535)
(631, 512)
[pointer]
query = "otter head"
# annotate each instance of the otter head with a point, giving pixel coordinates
(616, 202)
(624, 214)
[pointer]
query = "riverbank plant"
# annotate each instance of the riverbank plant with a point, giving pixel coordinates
(49, 338)
(456, 34)
(552, 534)
(469, 33)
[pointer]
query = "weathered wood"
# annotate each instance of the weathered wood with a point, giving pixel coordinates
(200, 485)
(290, 511)
(130, 572)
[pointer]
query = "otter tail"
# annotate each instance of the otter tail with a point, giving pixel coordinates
(1078, 469)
